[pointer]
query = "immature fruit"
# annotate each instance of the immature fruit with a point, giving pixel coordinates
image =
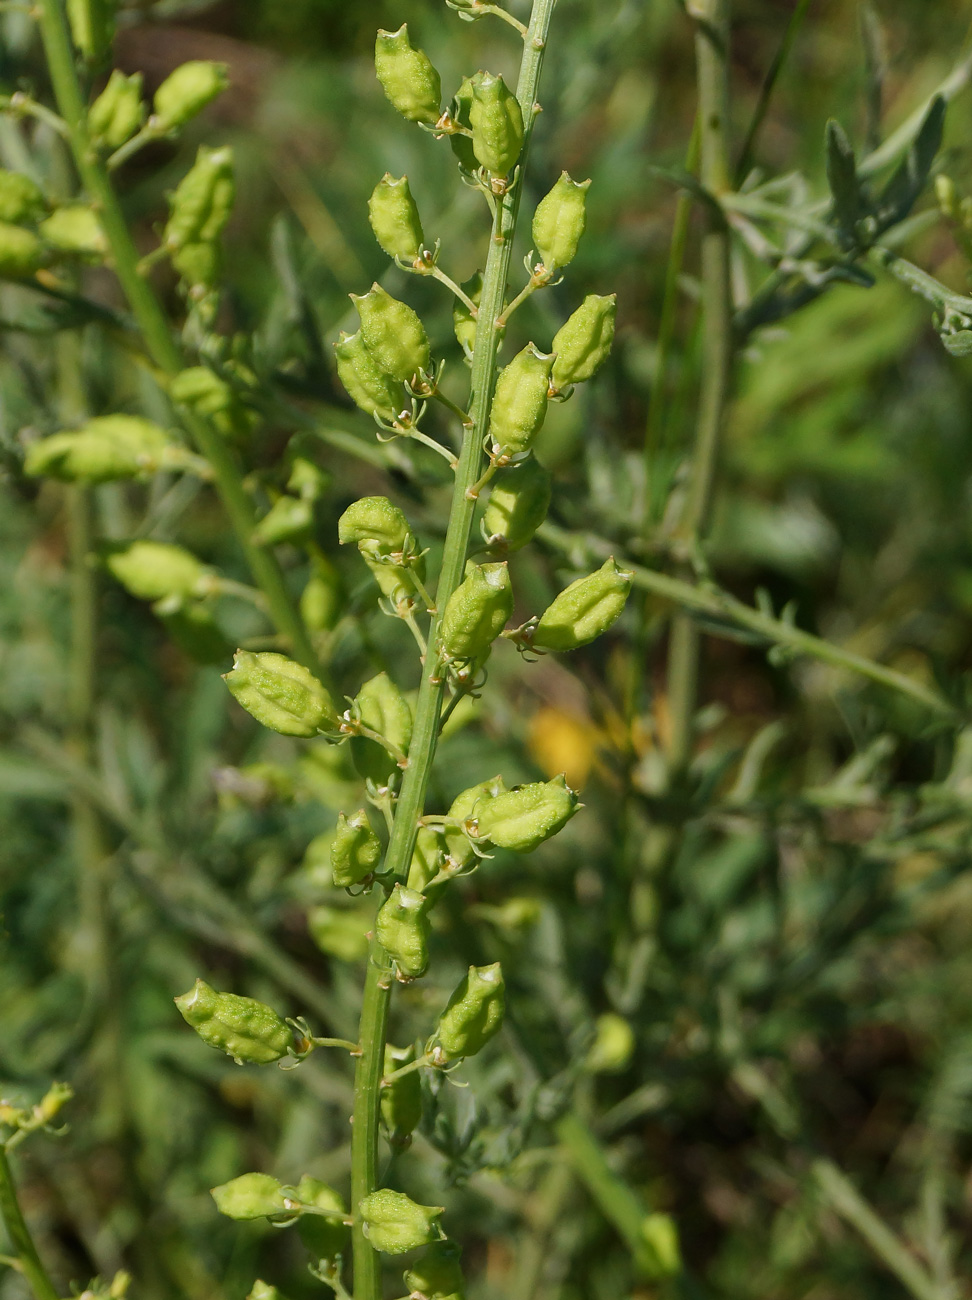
(395, 218)
(402, 929)
(392, 333)
(427, 857)
(464, 322)
(583, 342)
(194, 630)
(401, 1100)
(21, 200)
(520, 401)
(407, 76)
(497, 124)
(75, 229)
(118, 111)
(324, 1238)
(199, 264)
(280, 693)
(289, 519)
(156, 570)
(559, 221)
(376, 522)
(472, 1015)
(477, 611)
(371, 389)
(583, 610)
(205, 392)
(340, 932)
(355, 850)
(241, 1027)
(22, 254)
(105, 448)
(464, 808)
(321, 601)
(518, 502)
(382, 707)
(394, 1223)
(613, 1045)
(522, 818)
(437, 1275)
(462, 145)
(186, 92)
(254, 1196)
(202, 201)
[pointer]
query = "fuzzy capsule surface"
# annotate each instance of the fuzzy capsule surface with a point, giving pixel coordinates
(582, 344)
(21, 199)
(106, 448)
(118, 112)
(155, 570)
(401, 1100)
(395, 218)
(280, 693)
(461, 144)
(355, 850)
(463, 808)
(437, 1274)
(241, 1027)
(205, 392)
(75, 229)
(497, 124)
(477, 611)
(252, 1196)
(472, 1015)
(407, 76)
(392, 333)
(22, 254)
(519, 499)
(402, 929)
(374, 520)
(520, 401)
(383, 708)
(186, 92)
(371, 388)
(199, 264)
(201, 203)
(584, 610)
(559, 222)
(394, 1223)
(522, 818)
(324, 1238)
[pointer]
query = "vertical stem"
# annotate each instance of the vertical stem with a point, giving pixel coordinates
(151, 320)
(712, 61)
(20, 1238)
(411, 801)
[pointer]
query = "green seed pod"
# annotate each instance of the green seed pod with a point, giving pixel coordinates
(374, 520)
(118, 112)
(243, 1028)
(197, 634)
(472, 1015)
(477, 611)
(518, 502)
(156, 570)
(661, 1250)
(75, 229)
(92, 25)
(340, 932)
(355, 850)
(202, 201)
(462, 145)
(369, 387)
(186, 92)
(401, 1100)
(527, 815)
(464, 807)
(613, 1045)
(395, 218)
(289, 519)
(204, 392)
(254, 1196)
(582, 343)
(559, 221)
(261, 1290)
(382, 707)
(497, 124)
(21, 253)
(407, 76)
(199, 265)
(322, 599)
(394, 1223)
(280, 693)
(402, 929)
(324, 1238)
(583, 610)
(437, 1275)
(22, 202)
(393, 582)
(392, 333)
(464, 322)
(106, 448)
(427, 857)
(520, 401)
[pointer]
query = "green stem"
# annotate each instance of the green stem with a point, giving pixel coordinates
(746, 154)
(28, 1260)
(374, 1012)
(151, 320)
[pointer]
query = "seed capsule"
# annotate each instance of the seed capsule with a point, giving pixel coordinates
(202, 201)
(75, 229)
(92, 24)
(613, 1045)
(369, 387)
(289, 519)
(156, 570)
(355, 850)
(407, 76)
(383, 708)
(401, 1100)
(402, 929)
(254, 1196)
(261, 1290)
(437, 1275)
(520, 401)
(186, 92)
(464, 322)
(377, 521)
(280, 693)
(324, 1238)
(322, 599)
(583, 610)
(559, 221)
(472, 1015)
(205, 392)
(497, 124)
(464, 808)
(339, 932)
(21, 253)
(582, 343)
(518, 502)
(395, 218)
(477, 611)
(462, 145)
(199, 265)
(21, 200)
(105, 448)
(394, 1223)
(118, 112)
(241, 1027)
(392, 333)
(527, 815)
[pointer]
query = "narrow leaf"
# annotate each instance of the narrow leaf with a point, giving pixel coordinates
(848, 204)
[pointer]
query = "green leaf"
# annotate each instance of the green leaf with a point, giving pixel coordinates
(849, 204)
(903, 189)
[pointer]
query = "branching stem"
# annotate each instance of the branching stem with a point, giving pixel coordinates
(28, 1260)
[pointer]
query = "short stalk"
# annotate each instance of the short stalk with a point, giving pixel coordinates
(412, 1066)
(463, 416)
(28, 1260)
(438, 274)
(335, 1042)
(530, 288)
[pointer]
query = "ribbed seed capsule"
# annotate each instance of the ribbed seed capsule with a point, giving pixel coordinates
(21, 253)
(355, 850)
(519, 499)
(321, 601)
(497, 124)
(280, 693)
(392, 333)
(289, 519)
(427, 857)
(477, 611)
(394, 1223)
(202, 201)
(382, 707)
(241, 1027)
(75, 228)
(375, 520)
(369, 387)
(401, 1100)
(395, 218)
(463, 320)
(583, 610)
(520, 401)
(437, 1275)
(199, 265)
(464, 808)
(205, 392)
(156, 570)
(105, 448)
(525, 816)
(402, 929)
(118, 111)
(559, 221)
(254, 1196)
(407, 76)
(186, 92)
(472, 1015)
(21, 200)
(324, 1238)
(462, 145)
(582, 344)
